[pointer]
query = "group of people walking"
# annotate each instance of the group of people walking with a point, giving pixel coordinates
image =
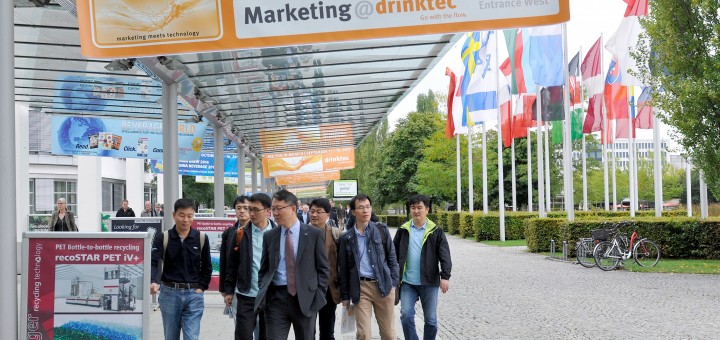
(279, 272)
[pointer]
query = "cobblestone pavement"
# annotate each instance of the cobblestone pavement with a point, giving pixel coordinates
(508, 293)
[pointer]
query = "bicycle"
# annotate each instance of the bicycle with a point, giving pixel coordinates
(585, 246)
(608, 254)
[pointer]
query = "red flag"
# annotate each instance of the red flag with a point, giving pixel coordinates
(450, 124)
(636, 8)
(519, 129)
(616, 99)
(506, 121)
(644, 117)
(591, 70)
(621, 128)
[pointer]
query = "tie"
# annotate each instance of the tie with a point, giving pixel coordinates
(290, 264)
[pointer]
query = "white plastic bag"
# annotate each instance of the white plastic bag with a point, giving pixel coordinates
(347, 320)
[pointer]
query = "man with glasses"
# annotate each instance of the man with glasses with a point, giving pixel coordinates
(368, 271)
(421, 247)
(293, 272)
(243, 266)
(242, 214)
(320, 210)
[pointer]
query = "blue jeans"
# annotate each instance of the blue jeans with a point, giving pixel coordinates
(428, 299)
(181, 309)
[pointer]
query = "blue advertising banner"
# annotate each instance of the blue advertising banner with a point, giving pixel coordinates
(121, 138)
(204, 166)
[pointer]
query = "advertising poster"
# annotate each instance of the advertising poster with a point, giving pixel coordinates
(306, 137)
(299, 162)
(213, 227)
(133, 28)
(203, 166)
(141, 224)
(345, 188)
(312, 177)
(121, 138)
(87, 286)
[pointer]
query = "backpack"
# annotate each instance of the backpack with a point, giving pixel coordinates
(165, 243)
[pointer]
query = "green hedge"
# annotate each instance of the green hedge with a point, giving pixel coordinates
(393, 220)
(487, 227)
(677, 237)
(466, 224)
(441, 220)
(452, 220)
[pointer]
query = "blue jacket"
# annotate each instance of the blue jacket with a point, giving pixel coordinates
(386, 268)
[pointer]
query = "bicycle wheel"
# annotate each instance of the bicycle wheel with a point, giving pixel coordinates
(606, 257)
(646, 253)
(584, 254)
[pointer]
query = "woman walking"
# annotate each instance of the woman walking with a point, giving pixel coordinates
(62, 219)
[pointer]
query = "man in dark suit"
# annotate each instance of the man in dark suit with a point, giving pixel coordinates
(293, 272)
(303, 214)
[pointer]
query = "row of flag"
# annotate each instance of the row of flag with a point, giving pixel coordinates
(484, 85)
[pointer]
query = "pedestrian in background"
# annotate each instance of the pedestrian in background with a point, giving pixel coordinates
(320, 211)
(125, 210)
(62, 219)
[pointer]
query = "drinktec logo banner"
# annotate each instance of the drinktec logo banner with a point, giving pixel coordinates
(312, 177)
(288, 163)
(121, 138)
(135, 28)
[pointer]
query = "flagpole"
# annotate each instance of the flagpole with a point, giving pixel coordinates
(484, 174)
(529, 171)
(471, 204)
(703, 196)
(658, 167)
(546, 160)
(631, 151)
(584, 153)
(501, 181)
(614, 170)
(541, 185)
(688, 186)
(567, 140)
(458, 176)
(512, 169)
(604, 136)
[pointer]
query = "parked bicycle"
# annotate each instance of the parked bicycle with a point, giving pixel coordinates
(608, 254)
(585, 245)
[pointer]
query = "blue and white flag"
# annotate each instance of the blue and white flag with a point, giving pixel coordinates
(546, 55)
(480, 98)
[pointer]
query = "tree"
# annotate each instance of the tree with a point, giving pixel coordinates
(202, 193)
(368, 161)
(684, 36)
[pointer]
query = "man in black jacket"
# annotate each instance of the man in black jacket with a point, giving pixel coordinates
(243, 218)
(125, 211)
(421, 246)
(243, 265)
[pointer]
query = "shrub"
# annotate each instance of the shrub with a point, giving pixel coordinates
(466, 224)
(453, 222)
(539, 232)
(441, 220)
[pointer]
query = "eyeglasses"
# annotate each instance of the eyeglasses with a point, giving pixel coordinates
(276, 209)
(317, 212)
(363, 207)
(256, 210)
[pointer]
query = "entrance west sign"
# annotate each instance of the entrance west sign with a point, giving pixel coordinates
(137, 28)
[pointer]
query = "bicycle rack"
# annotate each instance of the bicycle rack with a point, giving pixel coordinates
(552, 248)
(565, 251)
(553, 255)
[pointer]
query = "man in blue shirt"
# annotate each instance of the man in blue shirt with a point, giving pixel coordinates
(243, 265)
(421, 246)
(293, 275)
(368, 271)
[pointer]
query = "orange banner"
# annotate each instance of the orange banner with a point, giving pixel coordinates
(137, 28)
(311, 177)
(306, 137)
(300, 162)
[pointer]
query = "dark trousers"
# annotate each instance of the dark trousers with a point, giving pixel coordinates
(326, 318)
(246, 317)
(282, 310)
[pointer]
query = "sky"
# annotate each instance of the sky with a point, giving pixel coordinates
(588, 20)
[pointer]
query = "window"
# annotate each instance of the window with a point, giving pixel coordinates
(112, 195)
(67, 190)
(44, 194)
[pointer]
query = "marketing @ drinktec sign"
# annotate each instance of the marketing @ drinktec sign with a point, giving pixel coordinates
(135, 28)
(121, 138)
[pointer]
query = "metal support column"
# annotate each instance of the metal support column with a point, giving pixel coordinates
(170, 151)
(241, 171)
(8, 273)
(254, 174)
(219, 173)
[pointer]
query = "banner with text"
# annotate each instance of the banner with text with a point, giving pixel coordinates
(213, 227)
(121, 138)
(112, 29)
(299, 162)
(85, 286)
(203, 166)
(311, 177)
(306, 137)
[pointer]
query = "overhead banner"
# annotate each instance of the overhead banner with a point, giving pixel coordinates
(85, 286)
(121, 138)
(306, 137)
(133, 28)
(213, 228)
(300, 162)
(203, 166)
(81, 93)
(312, 177)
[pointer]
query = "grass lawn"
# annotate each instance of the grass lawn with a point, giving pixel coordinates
(508, 243)
(678, 266)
